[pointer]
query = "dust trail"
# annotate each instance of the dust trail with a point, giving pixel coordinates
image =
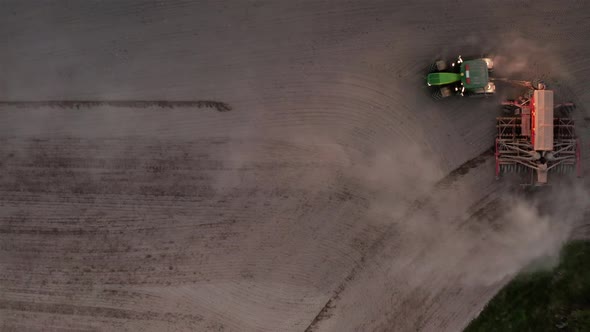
(446, 235)
(513, 232)
(403, 187)
(77, 104)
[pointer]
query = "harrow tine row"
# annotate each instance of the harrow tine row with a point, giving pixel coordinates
(513, 168)
(565, 169)
(517, 168)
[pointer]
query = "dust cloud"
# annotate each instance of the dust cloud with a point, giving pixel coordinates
(450, 231)
(520, 58)
(397, 178)
(527, 230)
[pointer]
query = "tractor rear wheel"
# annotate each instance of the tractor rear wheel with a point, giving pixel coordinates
(489, 62)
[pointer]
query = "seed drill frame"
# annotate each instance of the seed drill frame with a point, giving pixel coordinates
(533, 142)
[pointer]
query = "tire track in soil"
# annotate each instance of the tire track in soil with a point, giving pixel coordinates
(417, 297)
(123, 200)
(389, 232)
(77, 310)
(262, 53)
(78, 104)
(130, 266)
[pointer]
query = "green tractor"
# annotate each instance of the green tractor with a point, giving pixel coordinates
(463, 78)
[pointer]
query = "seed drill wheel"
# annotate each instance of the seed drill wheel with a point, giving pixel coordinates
(509, 110)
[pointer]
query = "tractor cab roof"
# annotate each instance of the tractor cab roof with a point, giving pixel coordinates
(474, 74)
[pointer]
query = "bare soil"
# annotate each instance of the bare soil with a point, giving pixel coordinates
(335, 196)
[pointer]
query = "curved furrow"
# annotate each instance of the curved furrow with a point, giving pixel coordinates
(312, 198)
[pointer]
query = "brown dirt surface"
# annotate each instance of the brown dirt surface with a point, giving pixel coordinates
(335, 196)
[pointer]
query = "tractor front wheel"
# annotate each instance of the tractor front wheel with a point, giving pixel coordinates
(441, 65)
(441, 93)
(437, 66)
